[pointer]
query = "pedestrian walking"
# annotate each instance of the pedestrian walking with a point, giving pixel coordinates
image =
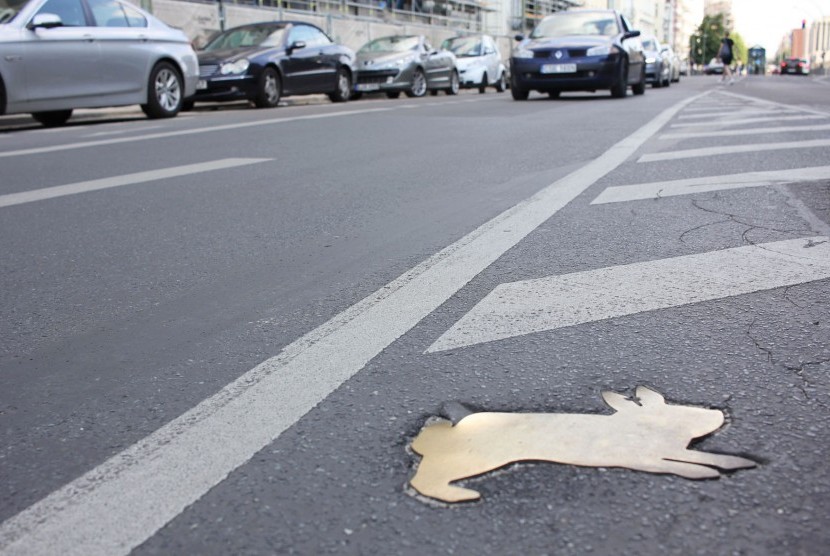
(725, 55)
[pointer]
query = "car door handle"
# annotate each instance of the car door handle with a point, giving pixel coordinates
(88, 38)
(143, 38)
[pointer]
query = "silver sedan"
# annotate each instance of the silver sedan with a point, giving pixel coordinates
(59, 55)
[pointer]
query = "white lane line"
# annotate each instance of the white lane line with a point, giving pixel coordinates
(745, 121)
(776, 104)
(124, 501)
(122, 131)
(731, 114)
(733, 149)
(183, 132)
(752, 131)
(119, 181)
(553, 302)
(655, 190)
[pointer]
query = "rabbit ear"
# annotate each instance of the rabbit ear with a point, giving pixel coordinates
(650, 397)
(617, 401)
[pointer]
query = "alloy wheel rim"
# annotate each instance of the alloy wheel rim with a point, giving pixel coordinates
(271, 87)
(168, 92)
(344, 85)
(419, 84)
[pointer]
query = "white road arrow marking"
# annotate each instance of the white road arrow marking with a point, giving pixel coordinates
(558, 301)
(126, 179)
(640, 191)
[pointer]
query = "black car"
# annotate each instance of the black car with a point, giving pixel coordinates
(579, 50)
(798, 66)
(263, 62)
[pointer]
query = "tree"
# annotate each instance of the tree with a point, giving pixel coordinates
(705, 43)
(741, 52)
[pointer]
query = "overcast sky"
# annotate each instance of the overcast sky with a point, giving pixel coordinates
(764, 22)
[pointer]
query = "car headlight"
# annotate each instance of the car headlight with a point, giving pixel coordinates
(650, 60)
(235, 68)
(603, 50)
(522, 53)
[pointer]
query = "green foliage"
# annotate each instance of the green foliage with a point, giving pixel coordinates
(705, 43)
(741, 51)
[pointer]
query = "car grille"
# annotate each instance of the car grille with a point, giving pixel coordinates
(208, 70)
(549, 53)
(375, 76)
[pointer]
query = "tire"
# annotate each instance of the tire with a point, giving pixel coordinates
(165, 92)
(640, 88)
(501, 84)
(455, 83)
(482, 87)
(418, 87)
(344, 86)
(54, 118)
(554, 94)
(393, 94)
(620, 87)
(519, 94)
(269, 89)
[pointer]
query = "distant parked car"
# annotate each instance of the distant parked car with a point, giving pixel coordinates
(674, 62)
(578, 50)
(798, 66)
(264, 62)
(714, 67)
(479, 62)
(59, 55)
(405, 63)
(658, 63)
(684, 67)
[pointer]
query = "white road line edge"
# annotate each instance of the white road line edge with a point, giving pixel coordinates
(124, 501)
(745, 121)
(733, 149)
(752, 131)
(655, 190)
(554, 302)
(119, 181)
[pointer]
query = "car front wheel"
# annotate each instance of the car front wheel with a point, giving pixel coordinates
(270, 89)
(640, 87)
(620, 87)
(165, 94)
(418, 88)
(519, 94)
(501, 84)
(344, 87)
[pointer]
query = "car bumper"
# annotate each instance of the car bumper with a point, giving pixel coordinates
(653, 73)
(232, 87)
(381, 80)
(526, 73)
(470, 77)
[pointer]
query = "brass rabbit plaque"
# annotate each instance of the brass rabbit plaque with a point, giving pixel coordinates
(645, 434)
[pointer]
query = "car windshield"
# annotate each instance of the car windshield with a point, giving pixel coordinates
(649, 44)
(576, 23)
(463, 46)
(10, 8)
(242, 37)
(391, 44)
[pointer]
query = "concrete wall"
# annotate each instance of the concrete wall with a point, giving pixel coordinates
(201, 21)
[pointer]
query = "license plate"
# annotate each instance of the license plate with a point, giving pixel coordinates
(368, 86)
(558, 68)
(201, 85)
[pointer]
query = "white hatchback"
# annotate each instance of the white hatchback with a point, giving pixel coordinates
(479, 62)
(59, 55)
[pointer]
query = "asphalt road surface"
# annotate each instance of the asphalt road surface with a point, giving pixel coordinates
(220, 333)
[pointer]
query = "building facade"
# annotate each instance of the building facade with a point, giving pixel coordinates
(818, 45)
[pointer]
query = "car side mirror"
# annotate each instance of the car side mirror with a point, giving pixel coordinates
(519, 38)
(45, 21)
(630, 34)
(296, 45)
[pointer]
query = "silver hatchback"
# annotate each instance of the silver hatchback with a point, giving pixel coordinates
(58, 55)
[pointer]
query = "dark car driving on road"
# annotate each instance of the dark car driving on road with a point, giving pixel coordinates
(579, 50)
(264, 62)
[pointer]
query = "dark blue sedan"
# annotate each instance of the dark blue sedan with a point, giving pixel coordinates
(579, 50)
(264, 62)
